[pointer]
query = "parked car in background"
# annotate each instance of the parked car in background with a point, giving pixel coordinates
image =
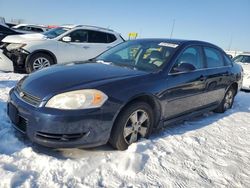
(59, 45)
(5, 31)
(10, 24)
(244, 61)
(28, 28)
(123, 94)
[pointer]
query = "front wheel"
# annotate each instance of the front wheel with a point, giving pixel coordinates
(133, 123)
(227, 102)
(38, 61)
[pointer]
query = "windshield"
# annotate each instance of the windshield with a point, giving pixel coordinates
(138, 54)
(53, 33)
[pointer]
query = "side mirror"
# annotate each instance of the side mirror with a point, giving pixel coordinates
(66, 39)
(184, 67)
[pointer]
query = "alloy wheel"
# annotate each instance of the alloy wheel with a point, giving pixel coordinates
(136, 126)
(40, 63)
(228, 100)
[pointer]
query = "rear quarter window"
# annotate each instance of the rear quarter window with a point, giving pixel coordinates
(111, 38)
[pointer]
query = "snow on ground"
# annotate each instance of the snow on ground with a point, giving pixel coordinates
(208, 151)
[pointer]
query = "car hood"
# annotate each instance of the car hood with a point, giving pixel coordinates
(71, 76)
(23, 38)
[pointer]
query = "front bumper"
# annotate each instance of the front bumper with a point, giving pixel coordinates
(5, 63)
(60, 129)
(13, 61)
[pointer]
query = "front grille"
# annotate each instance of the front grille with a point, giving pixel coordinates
(33, 100)
(59, 137)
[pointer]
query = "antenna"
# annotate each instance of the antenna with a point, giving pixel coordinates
(230, 42)
(172, 30)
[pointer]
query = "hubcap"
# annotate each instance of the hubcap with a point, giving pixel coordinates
(40, 63)
(136, 126)
(228, 100)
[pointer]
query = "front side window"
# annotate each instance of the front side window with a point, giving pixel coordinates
(141, 55)
(192, 57)
(238, 58)
(214, 57)
(79, 36)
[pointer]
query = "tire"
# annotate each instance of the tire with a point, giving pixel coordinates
(135, 119)
(227, 101)
(38, 61)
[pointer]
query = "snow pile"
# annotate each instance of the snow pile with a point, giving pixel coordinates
(209, 151)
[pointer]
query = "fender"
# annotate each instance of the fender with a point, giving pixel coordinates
(41, 51)
(157, 110)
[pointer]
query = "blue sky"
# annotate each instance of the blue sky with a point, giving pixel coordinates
(216, 21)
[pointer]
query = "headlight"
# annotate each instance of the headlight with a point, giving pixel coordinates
(14, 46)
(80, 99)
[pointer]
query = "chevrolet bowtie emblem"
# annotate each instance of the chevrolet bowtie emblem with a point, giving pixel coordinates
(21, 94)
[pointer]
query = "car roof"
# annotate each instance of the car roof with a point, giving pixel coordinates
(31, 25)
(246, 54)
(97, 28)
(179, 41)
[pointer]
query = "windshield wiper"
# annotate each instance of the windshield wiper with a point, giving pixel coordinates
(117, 64)
(104, 62)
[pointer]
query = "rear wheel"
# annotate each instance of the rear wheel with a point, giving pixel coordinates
(135, 122)
(39, 61)
(227, 102)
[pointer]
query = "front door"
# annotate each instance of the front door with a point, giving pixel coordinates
(185, 91)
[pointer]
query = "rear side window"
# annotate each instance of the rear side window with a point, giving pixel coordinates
(214, 57)
(97, 37)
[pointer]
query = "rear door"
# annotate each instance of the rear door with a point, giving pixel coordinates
(99, 42)
(217, 74)
(185, 91)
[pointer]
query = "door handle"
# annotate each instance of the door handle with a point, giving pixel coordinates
(86, 47)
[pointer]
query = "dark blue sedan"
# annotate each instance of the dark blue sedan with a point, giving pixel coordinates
(125, 93)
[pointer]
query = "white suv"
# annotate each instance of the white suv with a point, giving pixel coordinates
(31, 52)
(244, 61)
